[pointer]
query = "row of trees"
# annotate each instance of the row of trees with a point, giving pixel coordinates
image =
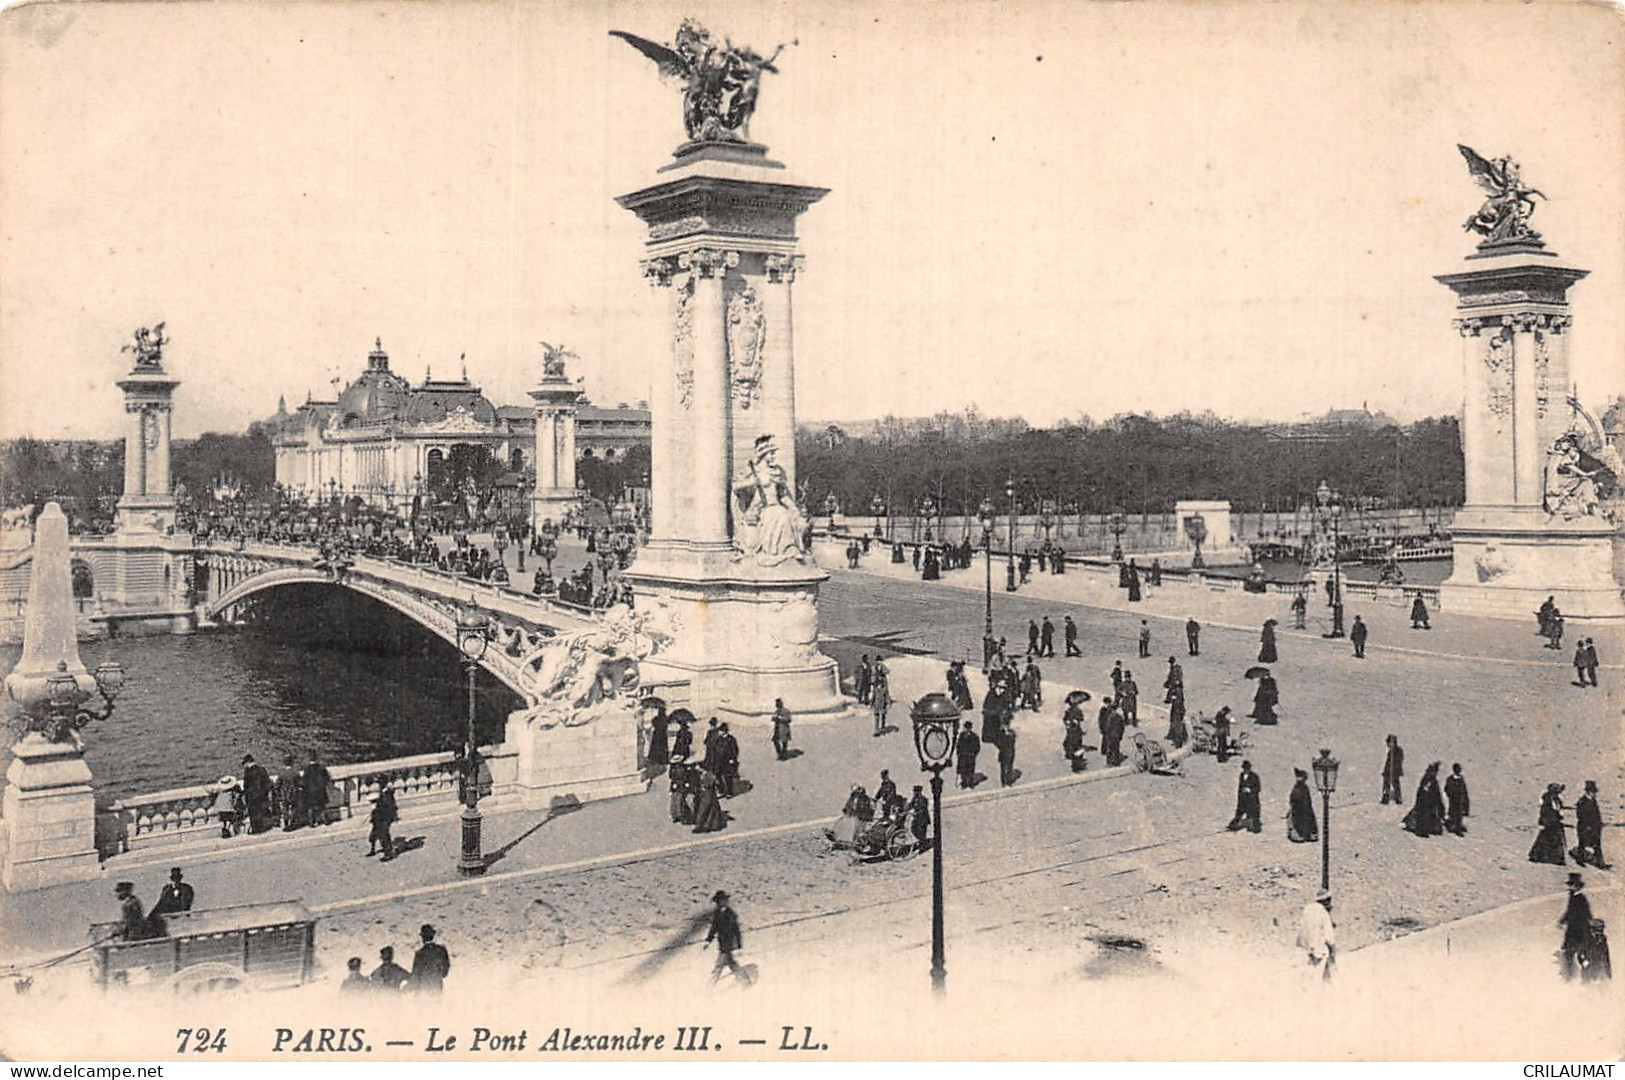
(1132, 463)
(88, 476)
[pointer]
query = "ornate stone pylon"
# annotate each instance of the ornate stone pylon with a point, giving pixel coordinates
(147, 505)
(1514, 542)
(557, 399)
(725, 554)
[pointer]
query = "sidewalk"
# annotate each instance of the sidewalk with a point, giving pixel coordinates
(1453, 637)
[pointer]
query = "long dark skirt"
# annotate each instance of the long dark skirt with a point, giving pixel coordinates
(1548, 847)
(708, 812)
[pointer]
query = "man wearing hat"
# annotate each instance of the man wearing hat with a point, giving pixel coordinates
(1317, 934)
(175, 897)
(725, 932)
(1588, 829)
(1576, 924)
(389, 975)
(256, 794)
(133, 924)
(430, 964)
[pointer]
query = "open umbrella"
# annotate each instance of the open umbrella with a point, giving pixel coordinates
(1077, 697)
(1271, 622)
(1255, 672)
(652, 702)
(681, 716)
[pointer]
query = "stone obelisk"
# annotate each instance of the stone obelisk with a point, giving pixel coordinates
(1525, 531)
(726, 558)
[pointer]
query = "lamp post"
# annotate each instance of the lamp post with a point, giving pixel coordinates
(1046, 518)
(473, 636)
(928, 511)
(1118, 524)
(877, 507)
(985, 513)
(1325, 769)
(832, 507)
(936, 723)
(1331, 506)
(548, 547)
(63, 713)
(1010, 567)
(499, 540)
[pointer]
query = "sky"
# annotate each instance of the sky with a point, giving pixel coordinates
(1047, 210)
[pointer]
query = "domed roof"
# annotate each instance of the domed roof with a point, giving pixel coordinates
(377, 395)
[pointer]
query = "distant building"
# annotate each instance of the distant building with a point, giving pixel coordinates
(1336, 424)
(387, 441)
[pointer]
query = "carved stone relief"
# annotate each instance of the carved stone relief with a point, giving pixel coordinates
(747, 333)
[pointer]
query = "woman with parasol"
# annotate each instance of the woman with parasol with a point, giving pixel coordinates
(1266, 698)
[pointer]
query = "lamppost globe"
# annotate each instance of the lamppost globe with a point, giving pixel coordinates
(1325, 770)
(61, 688)
(473, 637)
(110, 679)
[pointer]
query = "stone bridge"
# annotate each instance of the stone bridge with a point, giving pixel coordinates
(433, 598)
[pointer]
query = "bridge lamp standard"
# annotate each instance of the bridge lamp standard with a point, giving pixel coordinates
(1330, 504)
(1010, 567)
(936, 726)
(986, 513)
(1325, 770)
(473, 638)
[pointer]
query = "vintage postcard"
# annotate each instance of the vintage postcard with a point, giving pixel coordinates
(715, 532)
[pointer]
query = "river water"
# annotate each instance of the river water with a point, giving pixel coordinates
(327, 672)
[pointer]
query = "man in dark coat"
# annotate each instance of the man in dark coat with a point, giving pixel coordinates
(1128, 699)
(993, 713)
(1357, 636)
(1032, 638)
(1393, 770)
(1221, 734)
(1193, 636)
(886, 792)
(1249, 814)
(781, 729)
(1007, 756)
(1173, 684)
(1419, 615)
(1145, 639)
(1046, 638)
(1069, 631)
(176, 896)
(388, 975)
(1456, 801)
(133, 922)
(383, 817)
(920, 823)
(290, 795)
(316, 780)
(1072, 743)
(1111, 735)
(1580, 663)
(1301, 826)
(864, 678)
(1591, 660)
(709, 761)
(726, 933)
(256, 794)
(1588, 829)
(966, 747)
(430, 964)
(1576, 924)
(727, 762)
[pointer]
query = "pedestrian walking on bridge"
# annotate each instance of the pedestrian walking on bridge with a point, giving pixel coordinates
(1193, 634)
(1393, 770)
(1249, 814)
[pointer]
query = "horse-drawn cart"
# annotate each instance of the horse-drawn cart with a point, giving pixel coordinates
(264, 946)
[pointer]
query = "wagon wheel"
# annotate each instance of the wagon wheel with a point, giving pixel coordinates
(900, 845)
(208, 979)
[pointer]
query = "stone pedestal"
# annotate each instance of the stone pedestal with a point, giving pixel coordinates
(1510, 554)
(560, 765)
(722, 250)
(50, 816)
(1508, 560)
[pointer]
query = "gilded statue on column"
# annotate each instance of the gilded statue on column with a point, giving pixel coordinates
(1504, 217)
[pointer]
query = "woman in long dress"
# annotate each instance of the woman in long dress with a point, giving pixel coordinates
(1265, 700)
(682, 773)
(1548, 846)
(1177, 735)
(1427, 812)
(1301, 826)
(1266, 644)
(659, 755)
(708, 816)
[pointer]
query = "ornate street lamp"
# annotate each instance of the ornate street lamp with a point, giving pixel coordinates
(936, 724)
(877, 506)
(1118, 524)
(1325, 769)
(473, 638)
(986, 514)
(928, 511)
(1196, 529)
(499, 540)
(1010, 567)
(61, 715)
(831, 507)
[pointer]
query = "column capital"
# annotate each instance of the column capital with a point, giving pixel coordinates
(1524, 321)
(659, 271)
(708, 262)
(1559, 323)
(782, 268)
(1469, 327)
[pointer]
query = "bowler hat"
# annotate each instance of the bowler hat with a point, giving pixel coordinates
(1576, 881)
(719, 896)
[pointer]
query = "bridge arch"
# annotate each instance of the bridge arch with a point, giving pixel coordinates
(437, 616)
